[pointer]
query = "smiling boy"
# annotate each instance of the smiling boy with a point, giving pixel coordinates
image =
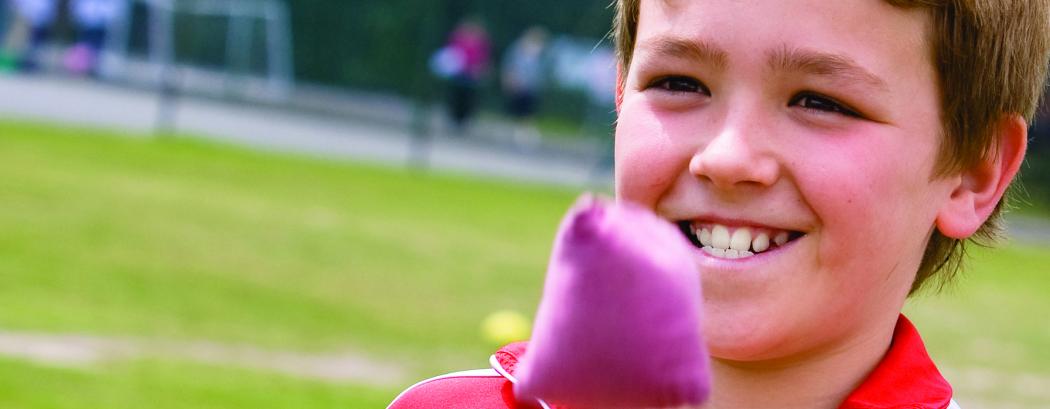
(827, 159)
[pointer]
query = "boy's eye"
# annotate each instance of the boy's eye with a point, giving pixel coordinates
(680, 84)
(820, 103)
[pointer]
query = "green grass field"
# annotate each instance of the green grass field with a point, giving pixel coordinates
(176, 239)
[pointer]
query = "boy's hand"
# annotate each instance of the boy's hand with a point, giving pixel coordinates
(619, 322)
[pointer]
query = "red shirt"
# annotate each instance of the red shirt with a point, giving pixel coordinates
(906, 378)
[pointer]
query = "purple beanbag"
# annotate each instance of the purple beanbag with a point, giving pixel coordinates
(619, 322)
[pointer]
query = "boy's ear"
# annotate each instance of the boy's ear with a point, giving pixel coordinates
(980, 188)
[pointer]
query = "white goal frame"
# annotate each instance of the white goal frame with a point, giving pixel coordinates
(274, 84)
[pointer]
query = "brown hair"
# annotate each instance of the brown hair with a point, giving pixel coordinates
(991, 58)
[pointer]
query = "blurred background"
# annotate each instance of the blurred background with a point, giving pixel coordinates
(317, 203)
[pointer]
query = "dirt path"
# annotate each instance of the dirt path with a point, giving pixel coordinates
(90, 103)
(83, 350)
(977, 387)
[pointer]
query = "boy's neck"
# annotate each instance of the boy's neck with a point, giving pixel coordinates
(817, 380)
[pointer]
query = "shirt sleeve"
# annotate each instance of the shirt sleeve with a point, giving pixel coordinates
(480, 389)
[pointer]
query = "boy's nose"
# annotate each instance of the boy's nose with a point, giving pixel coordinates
(731, 160)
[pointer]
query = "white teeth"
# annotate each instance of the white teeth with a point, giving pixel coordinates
(717, 240)
(728, 254)
(717, 252)
(761, 243)
(741, 240)
(705, 237)
(781, 238)
(720, 237)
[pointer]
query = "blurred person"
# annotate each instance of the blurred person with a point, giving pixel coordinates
(13, 43)
(3, 17)
(522, 80)
(6, 22)
(92, 19)
(600, 85)
(467, 55)
(38, 17)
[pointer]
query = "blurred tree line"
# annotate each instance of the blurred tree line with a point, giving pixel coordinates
(385, 44)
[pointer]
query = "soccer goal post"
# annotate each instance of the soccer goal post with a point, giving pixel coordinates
(240, 47)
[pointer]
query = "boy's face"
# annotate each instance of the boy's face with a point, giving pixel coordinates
(811, 119)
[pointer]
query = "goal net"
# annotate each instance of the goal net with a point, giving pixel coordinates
(231, 48)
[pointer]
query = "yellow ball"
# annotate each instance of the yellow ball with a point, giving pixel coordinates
(505, 326)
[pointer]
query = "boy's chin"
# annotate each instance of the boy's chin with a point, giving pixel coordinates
(740, 352)
(732, 340)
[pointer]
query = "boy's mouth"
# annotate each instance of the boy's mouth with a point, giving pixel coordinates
(729, 242)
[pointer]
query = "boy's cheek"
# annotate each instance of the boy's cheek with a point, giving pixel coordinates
(646, 160)
(868, 208)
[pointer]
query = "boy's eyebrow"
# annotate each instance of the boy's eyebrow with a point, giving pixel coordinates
(822, 64)
(783, 59)
(694, 50)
